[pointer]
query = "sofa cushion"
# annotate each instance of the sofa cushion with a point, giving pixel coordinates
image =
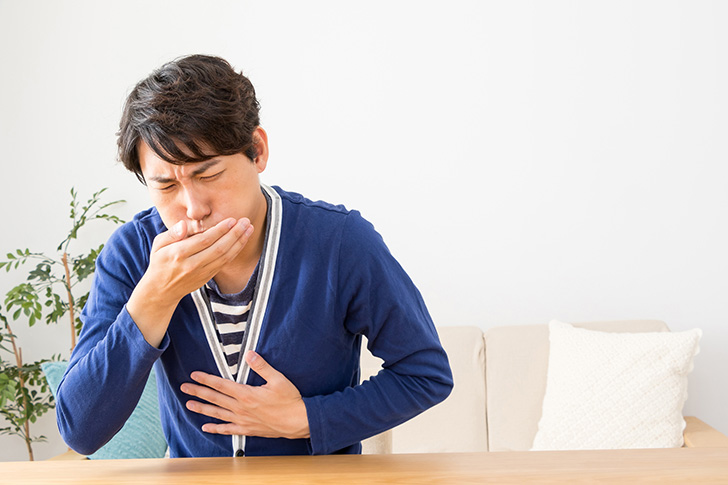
(140, 437)
(516, 361)
(458, 423)
(615, 390)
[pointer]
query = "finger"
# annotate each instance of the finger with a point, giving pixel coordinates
(210, 395)
(262, 368)
(246, 429)
(227, 247)
(223, 386)
(196, 242)
(176, 233)
(210, 411)
(204, 240)
(217, 246)
(225, 428)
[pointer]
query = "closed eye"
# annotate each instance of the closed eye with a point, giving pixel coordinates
(213, 176)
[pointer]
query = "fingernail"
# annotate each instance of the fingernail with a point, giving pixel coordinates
(177, 229)
(231, 223)
(249, 230)
(252, 356)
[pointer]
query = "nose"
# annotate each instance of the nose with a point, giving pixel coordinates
(198, 207)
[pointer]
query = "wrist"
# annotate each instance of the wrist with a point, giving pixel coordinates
(302, 430)
(151, 310)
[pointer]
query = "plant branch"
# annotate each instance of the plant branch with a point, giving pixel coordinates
(24, 392)
(70, 301)
(19, 362)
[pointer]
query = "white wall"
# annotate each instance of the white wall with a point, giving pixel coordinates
(523, 160)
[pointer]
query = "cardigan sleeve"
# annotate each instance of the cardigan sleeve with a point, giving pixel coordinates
(110, 365)
(380, 301)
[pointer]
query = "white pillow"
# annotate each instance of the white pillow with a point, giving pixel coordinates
(615, 390)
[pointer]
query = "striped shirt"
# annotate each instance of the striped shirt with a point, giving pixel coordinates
(230, 312)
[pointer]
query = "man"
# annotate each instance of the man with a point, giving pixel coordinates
(250, 301)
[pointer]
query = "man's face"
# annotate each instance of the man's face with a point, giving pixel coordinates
(203, 193)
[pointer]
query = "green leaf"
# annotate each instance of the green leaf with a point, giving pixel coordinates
(25, 404)
(42, 272)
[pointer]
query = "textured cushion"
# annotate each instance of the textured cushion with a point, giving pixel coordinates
(516, 360)
(615, 390)
(141, 436)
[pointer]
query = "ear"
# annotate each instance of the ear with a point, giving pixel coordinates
(260, 138)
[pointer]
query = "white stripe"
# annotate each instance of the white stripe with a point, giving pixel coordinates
(231, 349)
(230, 309)
(226, 328)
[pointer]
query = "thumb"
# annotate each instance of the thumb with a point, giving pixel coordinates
(261, 367)
(174, 234)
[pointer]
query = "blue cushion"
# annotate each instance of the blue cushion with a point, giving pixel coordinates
(141, 436)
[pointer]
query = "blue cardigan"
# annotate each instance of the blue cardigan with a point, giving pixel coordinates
(326, 278)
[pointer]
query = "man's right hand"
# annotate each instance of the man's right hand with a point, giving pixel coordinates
(179, 265)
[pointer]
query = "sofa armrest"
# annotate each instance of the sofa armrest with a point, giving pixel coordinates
(68, 456)
(697, 434)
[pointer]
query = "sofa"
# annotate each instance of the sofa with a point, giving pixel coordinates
(500, 378)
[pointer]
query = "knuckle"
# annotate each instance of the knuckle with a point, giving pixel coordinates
(218, 250)
(208, 237)
(182, 264)
(176, 258)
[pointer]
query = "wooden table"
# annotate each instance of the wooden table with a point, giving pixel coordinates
(686, 465)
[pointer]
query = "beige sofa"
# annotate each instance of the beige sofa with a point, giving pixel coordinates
(500, 382)
(495, 405)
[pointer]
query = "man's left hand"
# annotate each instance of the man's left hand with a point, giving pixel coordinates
(274, 410)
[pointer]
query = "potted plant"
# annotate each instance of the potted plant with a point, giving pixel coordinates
(47, 295)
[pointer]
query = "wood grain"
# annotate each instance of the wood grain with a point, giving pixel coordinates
(681, 465)
(698, 434)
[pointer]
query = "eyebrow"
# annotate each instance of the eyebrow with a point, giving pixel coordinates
(161, 179)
